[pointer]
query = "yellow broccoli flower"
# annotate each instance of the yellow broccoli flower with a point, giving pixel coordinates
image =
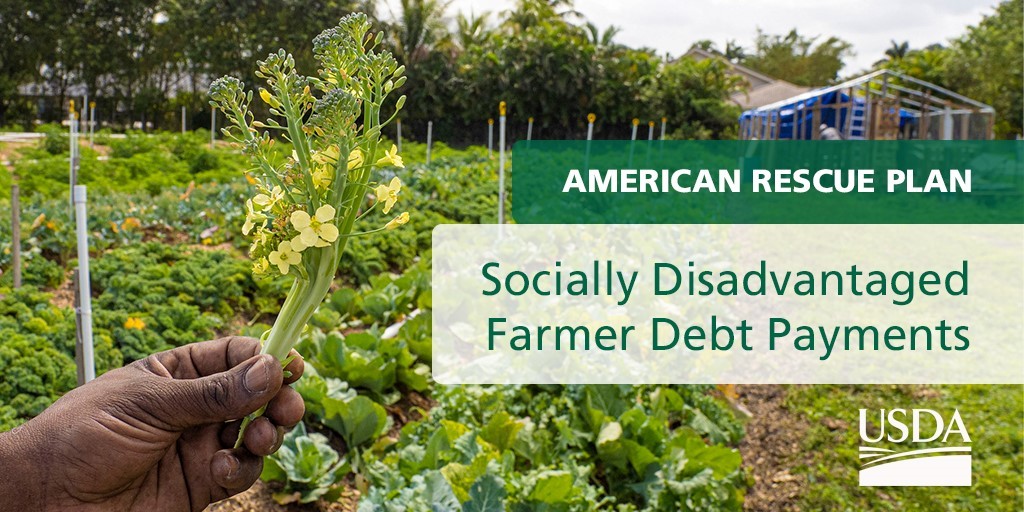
(322, 177)
(251, 218)
(397, 221)
(355, 159)
(268, 200)
(315, 231)
(259, 239)
(284, 257)
(268, 98)
(260, 266)
(327, 156)
(388, 194)
(391, 158)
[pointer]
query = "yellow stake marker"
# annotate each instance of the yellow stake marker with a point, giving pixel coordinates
(591, 117)
(501, 108)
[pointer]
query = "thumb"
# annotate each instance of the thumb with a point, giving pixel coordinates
(223, 396)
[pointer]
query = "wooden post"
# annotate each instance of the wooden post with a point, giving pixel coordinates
(182, 119)
(798, 117)
(925, 116)
(816, 121)
(869, 114)
(16, 234)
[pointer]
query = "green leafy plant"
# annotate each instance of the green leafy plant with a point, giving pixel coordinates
(308, 201)
(308, 466)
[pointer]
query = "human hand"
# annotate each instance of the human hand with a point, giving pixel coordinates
(156, 435)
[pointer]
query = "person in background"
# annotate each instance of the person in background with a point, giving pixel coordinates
(827, 132)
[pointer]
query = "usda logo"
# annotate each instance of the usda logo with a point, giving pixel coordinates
(947, 465)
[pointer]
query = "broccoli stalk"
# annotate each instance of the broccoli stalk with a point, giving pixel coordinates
(307, 202)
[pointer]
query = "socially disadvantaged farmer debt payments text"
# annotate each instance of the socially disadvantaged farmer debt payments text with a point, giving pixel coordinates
(601, 278)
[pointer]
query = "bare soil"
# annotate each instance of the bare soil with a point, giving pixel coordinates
(772, 450)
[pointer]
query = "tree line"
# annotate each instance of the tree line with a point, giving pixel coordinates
(142, 60)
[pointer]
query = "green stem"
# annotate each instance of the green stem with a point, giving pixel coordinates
(304, 297)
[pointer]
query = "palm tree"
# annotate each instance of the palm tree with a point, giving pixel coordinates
(527, 13)
(896, 50)
(604, 39)
(734, 52)
(471, 30)
(419, 26)
(706, 45)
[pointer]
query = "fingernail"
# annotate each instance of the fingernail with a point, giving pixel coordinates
(233, 466)
(227, 464)
(257, 377)
(279, 439)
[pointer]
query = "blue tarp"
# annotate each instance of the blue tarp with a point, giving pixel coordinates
(802, 111)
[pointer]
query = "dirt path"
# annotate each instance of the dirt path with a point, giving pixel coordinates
(258, 499)
(772, 449)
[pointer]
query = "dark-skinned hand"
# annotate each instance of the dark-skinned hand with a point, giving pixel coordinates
(156, 435)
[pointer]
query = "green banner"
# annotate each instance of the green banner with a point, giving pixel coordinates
(768, 182)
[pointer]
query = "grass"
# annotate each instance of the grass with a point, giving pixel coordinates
(992, 414)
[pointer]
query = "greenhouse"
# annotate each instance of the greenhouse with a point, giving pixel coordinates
(882, 105)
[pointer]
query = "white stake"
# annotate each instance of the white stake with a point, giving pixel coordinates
(590, 125)
(213, 125)
(501, 163)
(182, 119)
(636, 122)
(430, 130)
(529, 129)
(650, 130)
(398, 139)
(84, 291)
(16, 234)
(73, 150)
(663, 121)
(490, 137)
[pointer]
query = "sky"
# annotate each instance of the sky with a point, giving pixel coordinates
(673, 25)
